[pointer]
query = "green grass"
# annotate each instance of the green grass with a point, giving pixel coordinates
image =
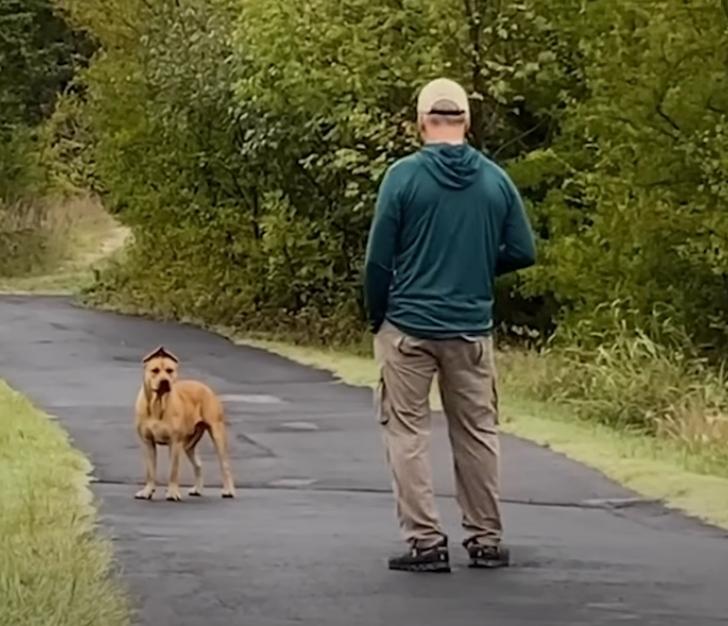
(655, 468)
(90, 236)
(54, 568)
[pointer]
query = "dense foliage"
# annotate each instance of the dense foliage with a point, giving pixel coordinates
(243, 142)
(38, 53)
(640, 213)
(38, 56)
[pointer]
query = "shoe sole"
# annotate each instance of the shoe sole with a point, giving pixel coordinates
(431, 568)
(487, 564)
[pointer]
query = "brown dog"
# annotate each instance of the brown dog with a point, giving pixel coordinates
(177, 413)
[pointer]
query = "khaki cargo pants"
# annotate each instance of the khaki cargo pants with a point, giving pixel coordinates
(466, 375)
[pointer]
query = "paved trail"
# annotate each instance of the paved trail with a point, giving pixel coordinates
(306, 541)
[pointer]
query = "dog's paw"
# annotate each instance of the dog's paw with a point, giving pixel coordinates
(173, 495)
(195, 492)
(144, 494)
(228, 493)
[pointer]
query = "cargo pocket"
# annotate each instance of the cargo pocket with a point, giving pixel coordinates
(400, 345)
(380, 401)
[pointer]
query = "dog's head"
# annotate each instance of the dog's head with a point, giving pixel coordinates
(160, 371)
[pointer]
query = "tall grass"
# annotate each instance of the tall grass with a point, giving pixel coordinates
(32, 237)
(650, 381)
(33, 231)
(59, 248)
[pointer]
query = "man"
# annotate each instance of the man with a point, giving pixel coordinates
(447, 222)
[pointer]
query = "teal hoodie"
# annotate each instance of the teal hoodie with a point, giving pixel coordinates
(447, 222)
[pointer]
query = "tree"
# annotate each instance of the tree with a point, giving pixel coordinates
(640, 207)
(37, 56)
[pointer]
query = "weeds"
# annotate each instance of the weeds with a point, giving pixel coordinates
(53, 248)
(32, 237)
(628, 380)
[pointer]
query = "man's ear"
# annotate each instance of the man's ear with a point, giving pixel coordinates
(160, 352)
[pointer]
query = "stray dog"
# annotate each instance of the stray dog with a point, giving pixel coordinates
(177, 413)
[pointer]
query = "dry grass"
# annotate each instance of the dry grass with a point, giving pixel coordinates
(54, 569)
(32, 237)
(84, 235)
(634, 386)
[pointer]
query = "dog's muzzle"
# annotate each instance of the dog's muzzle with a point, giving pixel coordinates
(163, 387)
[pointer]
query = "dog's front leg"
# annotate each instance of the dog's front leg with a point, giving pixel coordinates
(175, 451)
(150, 463)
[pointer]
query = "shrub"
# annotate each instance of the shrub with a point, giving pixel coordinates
(608, 372)
(31, 238)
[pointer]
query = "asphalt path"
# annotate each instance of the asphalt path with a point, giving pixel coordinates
(307, 538)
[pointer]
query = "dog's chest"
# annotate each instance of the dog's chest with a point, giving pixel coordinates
(157, 430)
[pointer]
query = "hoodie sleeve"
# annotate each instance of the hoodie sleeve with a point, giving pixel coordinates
(381, 248)
(517, 248)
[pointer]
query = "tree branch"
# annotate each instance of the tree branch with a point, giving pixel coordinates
(661, 112)
(519, 138)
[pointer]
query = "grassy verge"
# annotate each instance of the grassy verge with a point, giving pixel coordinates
(653, 467)
(84, 235)
(53, 569)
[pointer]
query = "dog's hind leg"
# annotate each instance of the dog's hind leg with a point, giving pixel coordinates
(150, 463)
(194, 458)
(219, 439)
(190, 450)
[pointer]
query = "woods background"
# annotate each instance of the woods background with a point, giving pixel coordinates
(243, 141)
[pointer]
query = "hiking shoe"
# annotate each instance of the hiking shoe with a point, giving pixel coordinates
(434, 558)
(487, 557)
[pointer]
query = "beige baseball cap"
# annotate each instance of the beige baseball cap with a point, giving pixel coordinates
(443, 90)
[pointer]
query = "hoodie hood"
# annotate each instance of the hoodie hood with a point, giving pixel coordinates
(454, 166)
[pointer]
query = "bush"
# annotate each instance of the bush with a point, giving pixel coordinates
(29, 233)
(31, 238)
(21, 168)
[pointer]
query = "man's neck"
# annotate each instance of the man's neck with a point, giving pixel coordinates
(454, 141)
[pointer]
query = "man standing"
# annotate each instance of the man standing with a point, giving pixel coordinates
(447, 222)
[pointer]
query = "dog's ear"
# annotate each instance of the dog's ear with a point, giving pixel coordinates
(160, 352)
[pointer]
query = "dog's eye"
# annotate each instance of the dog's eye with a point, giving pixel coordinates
(155, 370)
(169, 370)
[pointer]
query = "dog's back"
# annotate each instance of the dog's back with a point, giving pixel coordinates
(199, 401)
